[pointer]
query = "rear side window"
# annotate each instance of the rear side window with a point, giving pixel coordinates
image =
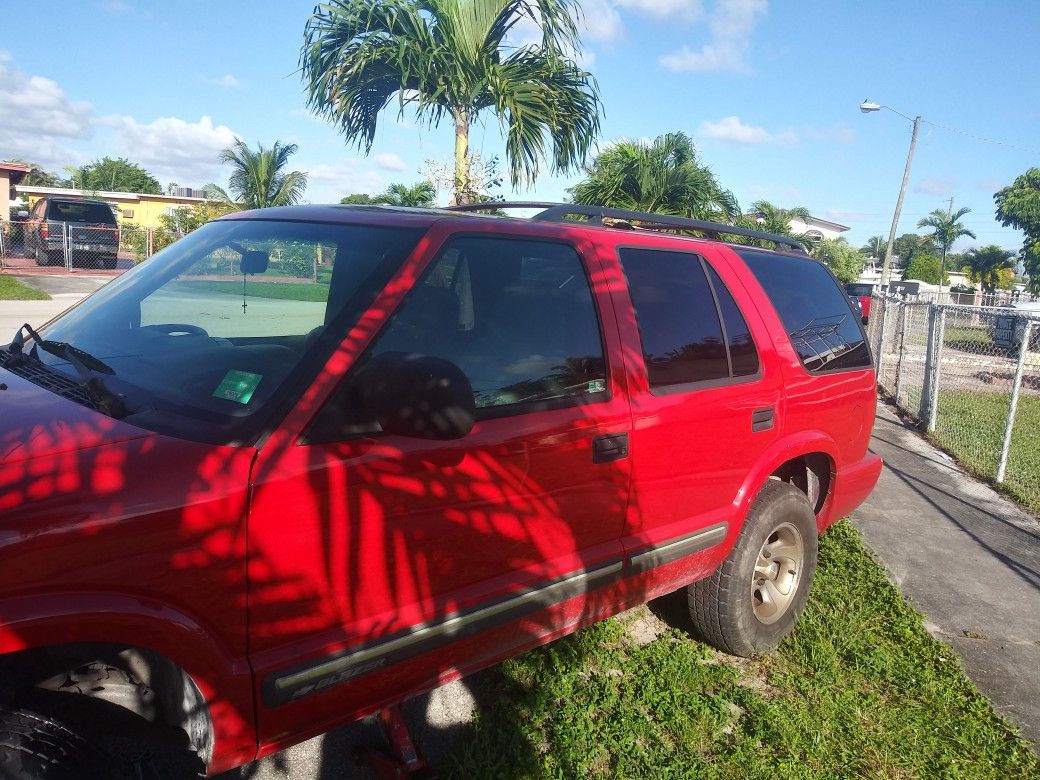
(816, 313)
(690, 328)
(81, 212)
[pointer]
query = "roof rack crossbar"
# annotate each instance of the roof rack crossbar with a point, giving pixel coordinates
(559, 212)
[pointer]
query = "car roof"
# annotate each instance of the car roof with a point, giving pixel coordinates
(407, 217)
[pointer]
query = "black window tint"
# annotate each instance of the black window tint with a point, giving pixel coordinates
(742, 352)
(815, 311)
(82, 212)
(516, 316)
(678, 322)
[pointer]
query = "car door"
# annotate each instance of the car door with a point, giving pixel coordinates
(415, 559)
(706, 400)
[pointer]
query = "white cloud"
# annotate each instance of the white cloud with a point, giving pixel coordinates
(174, 148)
(846, 215)
(731, 130)
(990, 185)
(389, 161)
(327, 183)
(932, 185)
(37, 119)
(731, 23)
(227, 81)
(600, 21)
(684, 10)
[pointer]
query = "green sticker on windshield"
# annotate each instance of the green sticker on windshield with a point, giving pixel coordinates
(237, 386)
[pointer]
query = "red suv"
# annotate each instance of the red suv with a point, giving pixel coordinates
(307, 462)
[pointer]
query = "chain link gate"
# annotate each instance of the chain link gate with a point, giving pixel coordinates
(970, 376)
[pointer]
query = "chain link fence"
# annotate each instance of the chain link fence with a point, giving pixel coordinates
(970, 376)
(77, 246)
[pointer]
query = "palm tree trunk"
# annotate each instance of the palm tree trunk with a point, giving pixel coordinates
(461, 193)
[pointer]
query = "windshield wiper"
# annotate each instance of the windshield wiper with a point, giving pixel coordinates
(110, 403)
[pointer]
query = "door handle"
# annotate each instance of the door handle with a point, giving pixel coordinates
(612, 446)
(762, 419)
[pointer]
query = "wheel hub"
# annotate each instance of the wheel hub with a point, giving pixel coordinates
(777, 573)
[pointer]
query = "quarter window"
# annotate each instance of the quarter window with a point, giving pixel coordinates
(816, 312)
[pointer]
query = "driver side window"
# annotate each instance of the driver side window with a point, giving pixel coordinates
(517, 317)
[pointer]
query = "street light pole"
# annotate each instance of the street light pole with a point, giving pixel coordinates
(886, 267)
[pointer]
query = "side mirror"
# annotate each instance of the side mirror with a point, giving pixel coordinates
(417, 395)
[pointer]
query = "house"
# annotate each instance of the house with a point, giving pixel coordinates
(816, 229)
(10, 174)
(132, 208)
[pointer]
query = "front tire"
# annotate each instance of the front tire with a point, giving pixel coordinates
(754, 598)
(80, 732)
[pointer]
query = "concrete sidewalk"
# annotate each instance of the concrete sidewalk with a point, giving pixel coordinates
(64, 291)
(968, 558)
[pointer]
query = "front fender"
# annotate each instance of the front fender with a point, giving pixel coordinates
(224, 680)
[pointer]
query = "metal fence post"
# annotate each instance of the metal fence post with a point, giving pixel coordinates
(904, 316)
(66, 234)
(880, 331)
(933, 382)
(1016, 388)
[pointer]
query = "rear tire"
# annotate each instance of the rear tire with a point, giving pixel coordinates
(40, 256)
(754, 598)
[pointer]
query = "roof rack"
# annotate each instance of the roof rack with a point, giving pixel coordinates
(634, 220)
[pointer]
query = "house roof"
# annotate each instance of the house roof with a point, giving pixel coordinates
(16, 171)
(105, 195)
(822, 223)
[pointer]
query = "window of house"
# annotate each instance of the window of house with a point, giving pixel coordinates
(690, 327)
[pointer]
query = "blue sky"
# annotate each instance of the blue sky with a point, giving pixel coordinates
(769, 91)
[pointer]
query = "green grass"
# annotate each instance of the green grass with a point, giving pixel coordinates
(968, 335)
(13, 290)
(970, 426)
(859, 690)
(288, 291)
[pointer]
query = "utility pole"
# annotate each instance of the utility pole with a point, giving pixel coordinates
(886, 268)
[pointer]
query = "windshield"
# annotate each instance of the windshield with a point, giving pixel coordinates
(81, 211)
(204, 335)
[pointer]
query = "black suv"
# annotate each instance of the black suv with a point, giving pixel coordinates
(86, 229)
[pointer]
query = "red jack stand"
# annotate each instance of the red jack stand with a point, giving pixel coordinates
(406, 761)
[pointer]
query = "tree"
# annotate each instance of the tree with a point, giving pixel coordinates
(38, 177)
(842, 259)
(909, 244)
(258, 179)
(662, 177)
(1018, 206)
(984, 266)
(773, 219)
(946, 228)
(360, 199)
(875, 247)
(926, 268)
(117, 175)
(420, 195)
(450, 58)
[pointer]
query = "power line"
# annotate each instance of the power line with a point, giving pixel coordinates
(984, 139)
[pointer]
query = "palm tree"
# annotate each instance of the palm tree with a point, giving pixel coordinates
(773, 219)
(985, 264)
(257, 179)
(946, 228)
(875, 247)
(450, 58)
(662, 177)
(419, 195)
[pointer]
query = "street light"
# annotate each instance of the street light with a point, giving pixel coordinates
(867, 107)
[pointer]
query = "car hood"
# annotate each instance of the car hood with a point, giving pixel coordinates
(35, 422)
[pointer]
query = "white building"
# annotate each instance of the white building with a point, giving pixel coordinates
(815, 229)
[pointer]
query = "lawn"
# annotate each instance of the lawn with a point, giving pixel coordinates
(970, 425)
(13, 290)
(859, 690)
(291, 291)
